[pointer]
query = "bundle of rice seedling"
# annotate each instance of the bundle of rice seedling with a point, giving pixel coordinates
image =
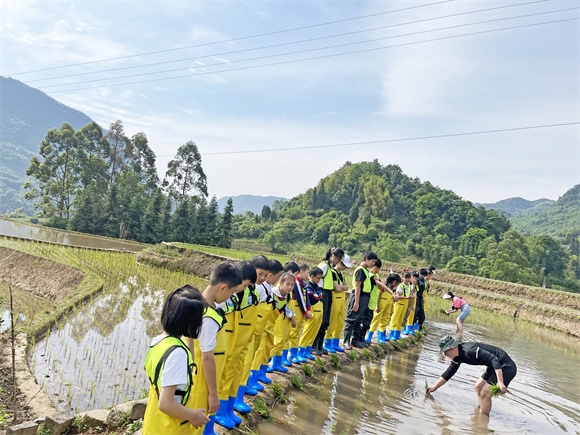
(442, 311)
(494, 390)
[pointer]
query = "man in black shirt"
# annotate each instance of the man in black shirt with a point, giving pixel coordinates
(500, 367)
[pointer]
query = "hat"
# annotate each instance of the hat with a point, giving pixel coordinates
(447, 343)
(446, 296)
(346, 260)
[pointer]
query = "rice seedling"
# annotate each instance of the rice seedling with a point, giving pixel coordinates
(307, 370)
(419, 335)
(366, 353)
(334, 359)
(297, 382)
(442, 311)
(396, 345)
(403, 342)
(354, 354)
(377, 350)
(321, 364)
(495, 390)
(262, 408)
(278, 392)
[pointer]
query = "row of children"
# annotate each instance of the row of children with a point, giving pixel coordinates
(254, 312)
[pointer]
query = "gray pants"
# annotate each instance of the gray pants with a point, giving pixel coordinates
(357, 321)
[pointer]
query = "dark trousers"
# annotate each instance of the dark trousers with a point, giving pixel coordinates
(419, 313)
(353, 324)
(327, 307)
(367, 319)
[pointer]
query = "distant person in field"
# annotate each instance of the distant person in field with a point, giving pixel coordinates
(458, 304)
(170, 365)
(500, 367)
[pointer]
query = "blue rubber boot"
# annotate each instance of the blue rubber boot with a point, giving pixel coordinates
(262, 375)
(369, 337)
(293, 355)
(269, 369)
(277, 364)
(336, 345)
(208, 429)
(239, 404)
(233, 417)
(250, 391)
(379, 337)
(308, 353)
(411, 331)
(416, 326)
(285, 361)
(397, 335)
(328, 346)
(301, 354)
(253, 381)
(222, 416)
(391, 335)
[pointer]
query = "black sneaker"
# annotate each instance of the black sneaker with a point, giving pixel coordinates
(358, 344)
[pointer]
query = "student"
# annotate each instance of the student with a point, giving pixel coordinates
(285, 316)
(358, 303)
(419, 317)
(410, 314)
(328, 285)
(334, 330)
(458, 304)
(382, 314)
(300, 304)
(260, 359)
(210, 346)
(169, 367)
(293, 268)
(403, 295)
(500, 367)
(312, 326)
(225, 415)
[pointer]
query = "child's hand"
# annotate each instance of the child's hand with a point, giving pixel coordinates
(378, 310)
(198, 418)
(309, 315)
(293, 322)
(213, 404)
(355, 307)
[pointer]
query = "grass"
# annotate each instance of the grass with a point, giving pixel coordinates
(354, 354)
(232, 253)
(366, 353)
(307, 370)
(396, 345)
(403, 342)
(377, 350)
(321, 364)
(334, 359)
(262, 408)
(278, 392)
(297, 382)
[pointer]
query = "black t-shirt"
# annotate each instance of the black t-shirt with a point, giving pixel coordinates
(360, 275)
(478, 354)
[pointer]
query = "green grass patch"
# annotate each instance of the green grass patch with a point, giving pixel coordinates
(403, 342)
(354, 354)
(297, 382)
(321, 364)
(366, 353)
(278, 392)
(262, 408)
(377, 350)
(307, 370)
(335, 361)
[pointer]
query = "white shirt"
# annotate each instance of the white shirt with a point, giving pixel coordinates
(324, 268)
(207, 334)
(174, 370)
(287, 310)
(262, 291)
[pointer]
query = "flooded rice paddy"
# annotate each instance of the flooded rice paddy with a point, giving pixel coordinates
(388, 396)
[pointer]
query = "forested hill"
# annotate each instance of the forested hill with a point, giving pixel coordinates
(27, 114)
(253, 203)
(561, 219)
(369, 206)
(518, 206)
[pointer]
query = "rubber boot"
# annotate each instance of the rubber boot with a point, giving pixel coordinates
(239, 404)
(233, 417)
(397, 335)
(250, 391)
(336, 345)
(416, 326)
(208, 429)
(411, 331)
(262, 375)
(222, 416)
(301, 354)
(293, 355)
(269, 369)
(328, 346)
(308, 353)
(285, 361)
(253, 381)
(391, 335)
(380, 337)
(277, 364)
(369, 337)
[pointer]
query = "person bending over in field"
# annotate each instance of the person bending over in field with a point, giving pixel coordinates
(500, 367)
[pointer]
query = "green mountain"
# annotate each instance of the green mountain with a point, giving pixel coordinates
(253, 203)
(518, 206)
(560, 219)
(26, 115)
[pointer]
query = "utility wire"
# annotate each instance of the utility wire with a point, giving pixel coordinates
(374, 142)
(314, 57)
(295, 42)
(238, 39)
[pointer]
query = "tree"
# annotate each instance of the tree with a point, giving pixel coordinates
(56, 175)
(152, 231)
(266, 212)
(120, 149)
(463, 264)
(186, 173)
(225, 239)
(92, 151)
(143, 163)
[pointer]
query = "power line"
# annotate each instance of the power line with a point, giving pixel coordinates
(314, 57)
(238, 39)
(374, 142)
(295, 42)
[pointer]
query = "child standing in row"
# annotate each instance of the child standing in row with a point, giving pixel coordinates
(300, 304)
(334, 331)
(312, 326)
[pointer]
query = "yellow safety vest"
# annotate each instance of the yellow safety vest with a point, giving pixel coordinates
(155, 421)
(328, 281)
(375, 293)
(366, 288)
(218, 316)
(248, 298)
(406, 290)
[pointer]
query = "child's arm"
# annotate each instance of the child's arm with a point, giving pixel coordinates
(168, 405)
(209, 370)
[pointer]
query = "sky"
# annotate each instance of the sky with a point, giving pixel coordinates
(264, 75)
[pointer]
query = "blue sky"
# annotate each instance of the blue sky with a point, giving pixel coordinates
(503, 79)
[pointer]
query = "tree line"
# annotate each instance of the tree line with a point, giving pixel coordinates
(369, 206)
(106, 183)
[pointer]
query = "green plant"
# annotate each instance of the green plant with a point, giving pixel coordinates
(419, 335)
(321, 364)
(43, 430)
(134, 426)
(377, 350)
(307, 370)
(278, 392)
(334, 359)
(297, 382)
(354, 355)
(494, 390)
(263, 410)
(403, 342)
(396, 345)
